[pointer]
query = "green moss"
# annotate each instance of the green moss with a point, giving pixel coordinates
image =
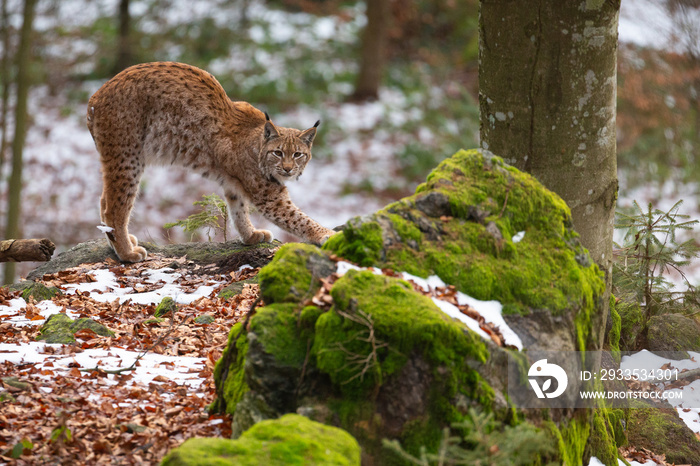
(204, 319)
(166, 306)
(543, 271)
(402, 322)
(276, 328)
(631, 324)
(59, 328)
(290, 275)
(38, 291)
(602, 438)
(229, 372)
(571, 439)
(663, 432)
(614, 333)
(287, 441)
(235, 288)
(360, 242)
(407, 230)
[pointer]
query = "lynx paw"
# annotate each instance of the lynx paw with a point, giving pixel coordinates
(134, 241)
(259, 236)
(137, 254)
(325, 237)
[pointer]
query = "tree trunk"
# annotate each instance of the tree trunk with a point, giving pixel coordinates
(24, 56)
(547, 97)
(26, 250)
(124, 56)
(4, 79)
(373, 52)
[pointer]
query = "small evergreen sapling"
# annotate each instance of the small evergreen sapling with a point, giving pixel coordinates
(650, 249)
(482, 443)
(213, 216)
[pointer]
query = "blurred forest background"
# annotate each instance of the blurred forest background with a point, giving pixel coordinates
(394, 83)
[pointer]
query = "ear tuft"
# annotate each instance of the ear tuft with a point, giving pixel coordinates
(270, 131)
(267, 117)
(308, 135)
(318, 122)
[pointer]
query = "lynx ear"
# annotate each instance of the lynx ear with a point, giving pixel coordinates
(309, 135)
(270, 130)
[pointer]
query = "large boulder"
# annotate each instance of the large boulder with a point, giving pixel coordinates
(367, 353)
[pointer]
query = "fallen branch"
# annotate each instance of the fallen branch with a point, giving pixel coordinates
(26, 250)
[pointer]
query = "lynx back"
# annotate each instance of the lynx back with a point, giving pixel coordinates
(174, 114)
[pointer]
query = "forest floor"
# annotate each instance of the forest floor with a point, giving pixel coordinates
(131, 397)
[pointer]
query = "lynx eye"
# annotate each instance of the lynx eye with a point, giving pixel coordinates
(277, 153)
(298, 155)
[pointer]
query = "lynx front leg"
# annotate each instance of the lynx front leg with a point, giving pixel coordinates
(118, 195)
(279, 209)
(238, 211)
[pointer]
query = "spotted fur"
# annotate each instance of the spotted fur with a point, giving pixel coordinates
(174, 114)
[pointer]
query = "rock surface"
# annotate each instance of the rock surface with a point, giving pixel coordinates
(231, 255)
(367, 353)
(673, 332)
(59, 328)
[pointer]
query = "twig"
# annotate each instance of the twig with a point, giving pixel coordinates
(355, 360)
(143, 353)
(505, 201)
(303, 367)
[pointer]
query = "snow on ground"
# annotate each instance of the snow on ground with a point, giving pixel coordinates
(688, 406)
(181, 370)
(106, 289)
(489, 310)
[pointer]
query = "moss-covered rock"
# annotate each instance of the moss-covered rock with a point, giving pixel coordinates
(663, 432)
(166, 306)
(59, 328)
(673, 332)
(235, 288)
(293, 273)
(204, 319)
(460, 226)
(36, 290)
(288, 441)
(384, 361)
(98, 250)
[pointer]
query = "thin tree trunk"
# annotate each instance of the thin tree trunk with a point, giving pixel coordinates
(373, 52)
(24, 55)
(547, 97)
(124, 56)
(4, 80)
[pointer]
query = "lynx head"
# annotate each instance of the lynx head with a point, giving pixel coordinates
(285, 152)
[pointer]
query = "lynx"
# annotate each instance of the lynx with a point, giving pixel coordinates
(175, 114)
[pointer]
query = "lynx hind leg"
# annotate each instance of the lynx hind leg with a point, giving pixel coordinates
(238, 212)
(118, 196)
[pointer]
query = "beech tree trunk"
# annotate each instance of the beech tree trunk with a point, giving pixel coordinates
(373, 52)
(26, 250)
(547, 97)
(24, 55)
